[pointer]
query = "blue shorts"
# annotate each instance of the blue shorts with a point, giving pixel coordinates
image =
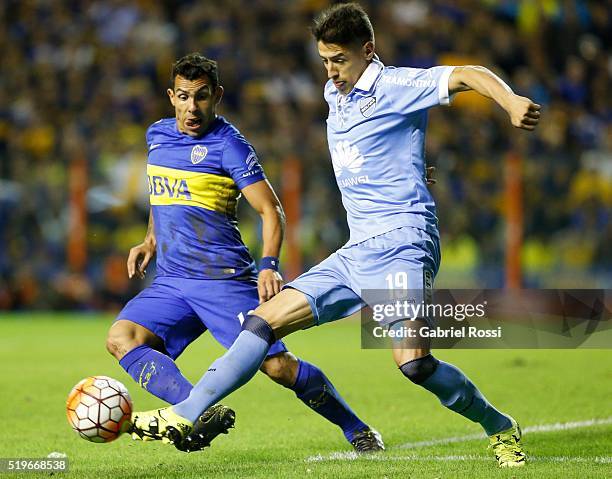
(179, 310)
(334, 287)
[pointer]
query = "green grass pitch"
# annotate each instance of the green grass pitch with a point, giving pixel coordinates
(42, 356)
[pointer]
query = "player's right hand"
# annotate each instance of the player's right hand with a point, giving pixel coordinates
(139, 258)
(269, 284)
(524, 113)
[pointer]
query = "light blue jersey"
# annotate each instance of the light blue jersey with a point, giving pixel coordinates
(376, 136)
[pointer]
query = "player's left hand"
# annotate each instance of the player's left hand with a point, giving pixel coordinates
(524, 113)
(269, 283)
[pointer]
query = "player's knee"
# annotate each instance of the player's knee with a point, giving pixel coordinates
(269, 315)
(121, 339)
(286, 312)
(259, 327)
(418, 370)
(114, 345)
(281, 368)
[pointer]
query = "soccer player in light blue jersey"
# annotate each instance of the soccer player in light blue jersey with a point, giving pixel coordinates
(376, 134)
(198, 166)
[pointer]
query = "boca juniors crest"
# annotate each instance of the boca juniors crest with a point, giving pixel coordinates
(198, 153)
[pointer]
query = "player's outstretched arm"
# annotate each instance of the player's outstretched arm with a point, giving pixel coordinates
(140, 255)
(263, 199)
(523, 112)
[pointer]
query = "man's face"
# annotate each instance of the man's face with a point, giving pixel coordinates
(345, 64)
(195, 103)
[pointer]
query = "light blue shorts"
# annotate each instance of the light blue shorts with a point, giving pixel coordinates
(334, 288)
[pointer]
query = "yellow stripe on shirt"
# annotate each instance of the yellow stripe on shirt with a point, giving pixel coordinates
(170, 186)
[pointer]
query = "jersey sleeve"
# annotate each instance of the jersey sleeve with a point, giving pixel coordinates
(241, 162)
(414, 89)
(149, 135)
(153, 132)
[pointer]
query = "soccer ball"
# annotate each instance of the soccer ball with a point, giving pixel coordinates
(99, 408)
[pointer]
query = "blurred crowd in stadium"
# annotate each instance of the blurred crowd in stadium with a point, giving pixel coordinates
(81, 81)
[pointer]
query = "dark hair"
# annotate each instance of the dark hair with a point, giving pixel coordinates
(194, 66)
(343, 24)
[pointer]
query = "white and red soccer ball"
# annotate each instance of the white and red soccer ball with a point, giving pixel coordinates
(99, 408)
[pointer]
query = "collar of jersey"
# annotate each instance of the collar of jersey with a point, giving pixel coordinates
(369, 76)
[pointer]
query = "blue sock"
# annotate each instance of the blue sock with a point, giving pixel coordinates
(156, 373)
(226, 374)
(458, 393)
(316, 391)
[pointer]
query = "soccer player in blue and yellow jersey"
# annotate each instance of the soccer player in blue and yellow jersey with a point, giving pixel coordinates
(198, 166)
(376, 135)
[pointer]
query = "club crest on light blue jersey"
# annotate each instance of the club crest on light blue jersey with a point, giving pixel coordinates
(367, 105)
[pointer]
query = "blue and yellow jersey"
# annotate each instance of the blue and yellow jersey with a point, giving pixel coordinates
(194, 186)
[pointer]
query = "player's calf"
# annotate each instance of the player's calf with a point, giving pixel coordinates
(455, 391)
(138, 351)
(315, 390)
(282, 368)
